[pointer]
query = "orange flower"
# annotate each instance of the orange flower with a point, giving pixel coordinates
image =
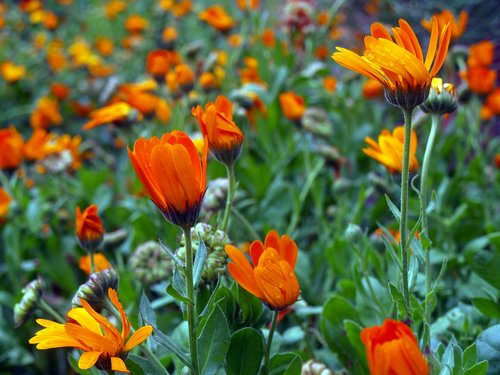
(208, 81)
(114, 7)
(11, 144)
(398, 64)
(292, 105)
(270, 277)
(5, 201)
(389, 150)
(268, 38)
(169, 34)
(217, 17)
(103, 344)
(45, 114)
(34, 147)
(135, 24)
(162, 111)
(481, 80)
(321, 52)
(101, 263)
(89, 229)
(139, 96)
(491, 105)
(372, 89)
(104, 45)
(50, 20)
(12, 73)
(248, 4)
(184, 76)
(217, 125)
(250, 74)
(329, 84)
(445, 17)
(497, 161)
(173, 175)
(234, 40)
(117, 113)
(158, 63)
(393, 349)
(59, 90)
(481, 54)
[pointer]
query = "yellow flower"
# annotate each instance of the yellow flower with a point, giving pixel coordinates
(103, 345)
(398, 62)
(389, 149)
(12, 73)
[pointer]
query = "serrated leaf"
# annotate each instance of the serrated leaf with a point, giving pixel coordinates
(245, 352)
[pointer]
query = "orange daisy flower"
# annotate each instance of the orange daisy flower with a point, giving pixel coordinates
(292, 105)
(89, 229)
(11, 144)
(217, 17)
(12, 73)
(117, 113)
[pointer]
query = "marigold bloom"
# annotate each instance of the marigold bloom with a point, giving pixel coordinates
(89, 229)
(292, 105)
(399, 64)
(104, 45)
(217, 125)
(46, 113)
(12, 73)
(491, 105)
(184, 77)
(103, 344)
(270, 277)
(117, 113)
(481, 80)
(393, 349)
(158, 63)
(5, 201)
(11, 144)
(173, 175)
(445, 17)
(481, 54)
(101, 263)
(372, 89)
(389, 149)
(135, 24)
(217, 17)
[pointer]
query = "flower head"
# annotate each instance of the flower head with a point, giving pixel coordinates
(103, 344)
(173, 175)
(491, 105)
(445, 17)
(117, 113)
(292, 105)
(393, 349)
(5, 201)
(481, 54)
(89, 230)
(12, 73)
(101, 263)
(389, 149)
(217, 125)
(398, 62)
(11, 144)
(217, 17)
(441, 98)
(270, 277)
(481, 80)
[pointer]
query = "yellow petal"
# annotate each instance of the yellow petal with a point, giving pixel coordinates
(117, 364)
(138, 337)
(88, 359)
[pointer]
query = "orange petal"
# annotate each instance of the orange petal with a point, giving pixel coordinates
(88, 359)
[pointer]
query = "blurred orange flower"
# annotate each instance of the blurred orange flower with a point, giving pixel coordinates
(292, 105)
(481, 80)
(271, 275)
(184, 77)
(46, 113)
(114, 7)
(389, 149)
(481, 54)
(169, 34)
(136, 24)
(393, 349)
(5, 201)
(250, 73)
(116, 113)
(158, 63)
(330, 83)
(101, 263)
(11, 144)
(248, 4)
(208, 81)
(217, 17)
(89, 229)
(372, 89)
(445, 17)
(104, 45)
(268, 38)
(173, 175)
(491, 105)
(12, 73)
(234, 40)
(34, 147)
(59, 90)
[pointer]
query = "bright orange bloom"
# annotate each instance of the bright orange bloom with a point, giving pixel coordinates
(248, 4)
(46, 113)
(393, 349)
(12, 73)
(173, 175)
(445, 17)
(481, 80)
(162, 111)
(234, 40)
(139, 95)
(208, 81)
(103, 344)
(11, 144)
(268, 38)
(250, 73)
(59, 90)
(169, 34)
(135, 24)
(89, 229)
(184, 77)
(158, 63)
(271, 275)
(481, 54)
(104, 45)
(50, 20)
(117, 113)
(34, 147)
(372, 89)
(56, 59)
(114, 7)
(398, 64)
(217, 125)
(217, 17)
(330, 83)
(292, 105)
(321, 52)
(5, 201)
(101, 263)
(491, 105)
(389, 149)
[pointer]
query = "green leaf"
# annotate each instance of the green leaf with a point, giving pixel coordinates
(214, 337)
(480, 368)
(398, 299)
(146, 312)
(488, 348)
(392, 207)
(285, 364)
(470, 356)
(486, 265)
(171, 345)
(245, 352)
(250, 306)
(138, 366)
(353, 331)
(199, 261)
(488, 307)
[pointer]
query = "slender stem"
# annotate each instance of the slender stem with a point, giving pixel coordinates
(230, 194)
(49, 310)
(92, 263)
(251, 231)
(423, 209)
(270, 341)
(403, 225)
(191, 305)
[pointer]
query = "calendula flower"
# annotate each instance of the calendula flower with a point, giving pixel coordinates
(481, 54)
(89, 229)
(11, 72)
(117, 113)
(104, 45)
(11, 144)
(372, 89)
(104, 346)
(46, 113)
(447, 17)
(480, 80)
(101, 263)
(292, 105)
(248, 4)
(389, 149)
(5, 201)
(217, 17)
(398, 64)
(217, 125)
(135, 24)
(173, 175)
(491, 105)
(271, 275)
(114, 7)
(139, 95)
(393, 349)
(208, 81)
(441, 98)
(158, 63)
(184, 77)
(330, 84)
(94, 290)
(169, 37)
(59, 90)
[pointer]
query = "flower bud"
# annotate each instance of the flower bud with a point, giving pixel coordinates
(95, 290)
(214, 240)
(31, 296)
(353, 232)
(150, 264)
(215, 197)
(441, 99)
(312, 367)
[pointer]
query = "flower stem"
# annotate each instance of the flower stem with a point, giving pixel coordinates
(92, 264)
(191, 305)
(49, 310)
(230, 194)
(270, 341)
(403, 225)
(423, 210)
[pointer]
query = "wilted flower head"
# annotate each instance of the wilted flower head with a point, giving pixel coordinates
(89, 229)
(150, 264)
(95, 289)
(29, 301)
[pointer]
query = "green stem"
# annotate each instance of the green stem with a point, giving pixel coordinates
(92, 264)
(230, 194)
(403, 227)
(251, 231)
(423, 209)
(49, 310)
(191, 305)
(270, 341)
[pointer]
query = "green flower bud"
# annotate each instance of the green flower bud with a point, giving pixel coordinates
(441, 98)
(150, 264)
(312, 367)
(353, 233)
(316, 122)
(95, 290)
(31, 296)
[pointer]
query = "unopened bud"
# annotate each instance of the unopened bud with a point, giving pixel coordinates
(31, 296)
(353, 232)
(312, 367)
(95, 290)
(150, 264)
(441, 99)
